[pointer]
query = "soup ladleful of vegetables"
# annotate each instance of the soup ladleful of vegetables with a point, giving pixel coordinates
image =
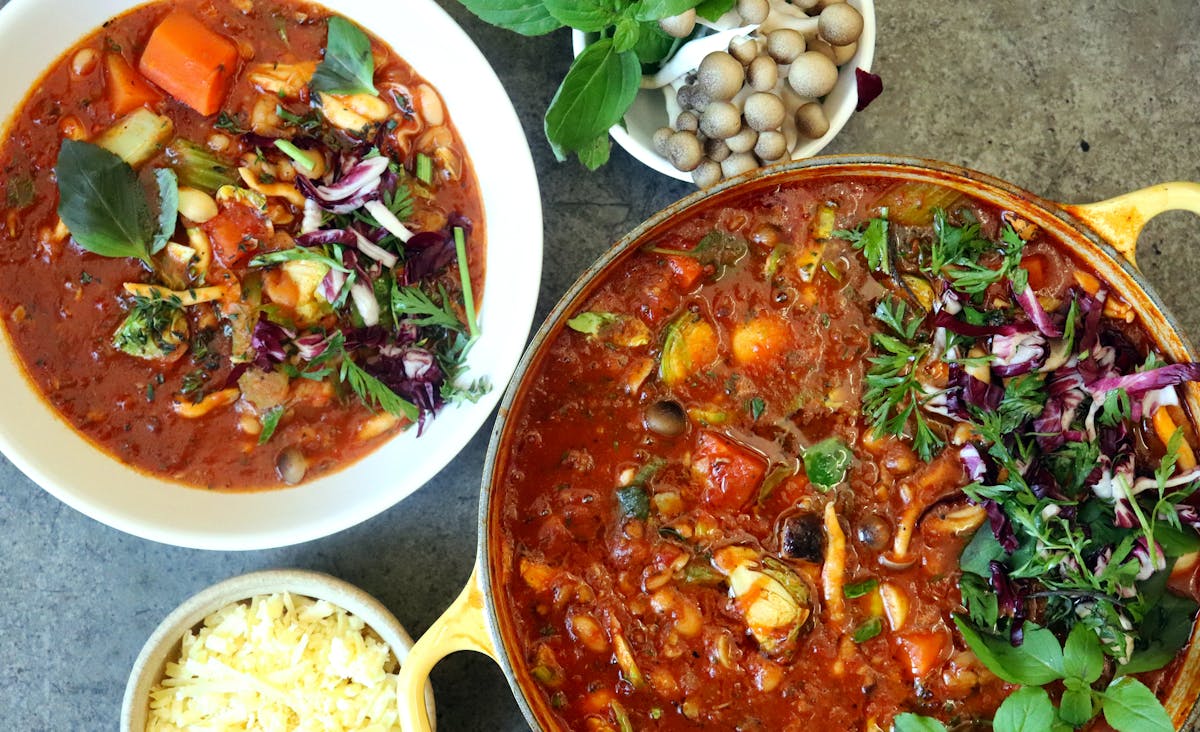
(241, 243)
(848, 453)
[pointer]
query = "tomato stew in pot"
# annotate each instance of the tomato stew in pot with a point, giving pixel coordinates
(241, 243)
(848, 454)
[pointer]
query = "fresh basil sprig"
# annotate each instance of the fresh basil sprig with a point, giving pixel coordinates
(1127, 704)
(348, 66)
(105, 207)
(603, 81)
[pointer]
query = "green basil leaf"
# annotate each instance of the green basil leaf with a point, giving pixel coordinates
(102, 203)
(348, 66)
(594, 95)
(588, 16)
(659, 9)
(1130, 707)
(1176, 542)
(909, 722)
(980, 600)
(634, 502)
(1027, 709)
(595, 154)
(270, 421)
(653, 45)
(1082, 656)
(591, 322)
(168, 208)
(1037, 661)
(527, 17)
(826, 462)
(1075, 707)
(625, 38)
(713, 9)
(1166, 628)
(982, 550)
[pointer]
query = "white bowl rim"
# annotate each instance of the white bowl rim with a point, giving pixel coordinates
(65, 464)
(162, 645)
(863, 57)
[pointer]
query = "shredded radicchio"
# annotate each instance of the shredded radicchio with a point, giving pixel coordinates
(413, 373)
(1018, 354)
(268, 340)
(943, 319)
(1000, 525)
(1037, 314)
(426, 254)
(359, 184)
(1010, 599)
(1139, 383)
(870, 86)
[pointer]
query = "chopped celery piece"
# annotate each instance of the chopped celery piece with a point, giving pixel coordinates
(137, 137)
(198, 167)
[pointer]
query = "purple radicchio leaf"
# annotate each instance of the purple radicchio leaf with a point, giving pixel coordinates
(1065, 393)
(1037, 314)
(414, 374)
(427, 254)
(1091, 308)
(1149, 564)
(1018, 354)
(1010, 600)
(973, 462)
(1001, 528)
(944, 319)
(1137, 384)
(870, 86)
(320, 237)
(268, 340)
(966, 390)
(358, 185)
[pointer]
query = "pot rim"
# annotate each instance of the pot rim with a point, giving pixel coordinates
(901, 167)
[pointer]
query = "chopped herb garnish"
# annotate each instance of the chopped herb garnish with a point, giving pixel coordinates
(423, 170)
(867, 630)
(270, 421)
(464, 273)
(860, 589)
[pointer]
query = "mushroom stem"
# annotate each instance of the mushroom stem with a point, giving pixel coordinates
(689, 56)
(786, 15)
(729, 20)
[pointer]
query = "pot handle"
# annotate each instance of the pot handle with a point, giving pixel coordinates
(1120, 220)
(463, 627)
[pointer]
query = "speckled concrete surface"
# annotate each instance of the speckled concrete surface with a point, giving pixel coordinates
(1075, 101)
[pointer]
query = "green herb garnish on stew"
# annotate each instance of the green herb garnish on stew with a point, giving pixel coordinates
(348, 66)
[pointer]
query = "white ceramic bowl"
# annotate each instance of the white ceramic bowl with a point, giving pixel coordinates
(163, 645)
(649, 110)
(33, 33)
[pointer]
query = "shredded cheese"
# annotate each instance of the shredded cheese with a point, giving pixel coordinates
(279, 662)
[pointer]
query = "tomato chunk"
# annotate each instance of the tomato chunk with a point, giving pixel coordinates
(731, 473)
(684, 270)
(236, 233)
(921, 652)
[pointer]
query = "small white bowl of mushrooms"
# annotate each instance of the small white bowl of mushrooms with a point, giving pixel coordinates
(770, 81)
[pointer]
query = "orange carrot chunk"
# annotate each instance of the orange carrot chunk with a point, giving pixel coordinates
(127, 89)
(192, 63)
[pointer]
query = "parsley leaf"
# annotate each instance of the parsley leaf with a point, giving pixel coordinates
(872, 241)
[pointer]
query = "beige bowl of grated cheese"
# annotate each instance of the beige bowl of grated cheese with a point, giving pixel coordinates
(272, 650)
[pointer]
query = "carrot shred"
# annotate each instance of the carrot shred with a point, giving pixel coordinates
(191, 62)
(127, 89)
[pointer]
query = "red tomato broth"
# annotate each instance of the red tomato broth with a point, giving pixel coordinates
(60, 304)
(561, 550)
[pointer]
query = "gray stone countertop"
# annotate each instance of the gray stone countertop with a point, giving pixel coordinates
(1075, 101)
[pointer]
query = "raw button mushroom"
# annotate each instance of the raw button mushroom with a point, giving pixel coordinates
(840, 24)
(771, 146)
(661, 135)
(753, 11)
(679, 26)
(721, 120)
(687, 122)
(812, 75)
(716, 150)
(744, 49)
(737, 164)
(707, 175)
(784, 45)
(764, 111)
(684, 151)
(743, 142)
(720, 76)
(811, 120)
(763, 74)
